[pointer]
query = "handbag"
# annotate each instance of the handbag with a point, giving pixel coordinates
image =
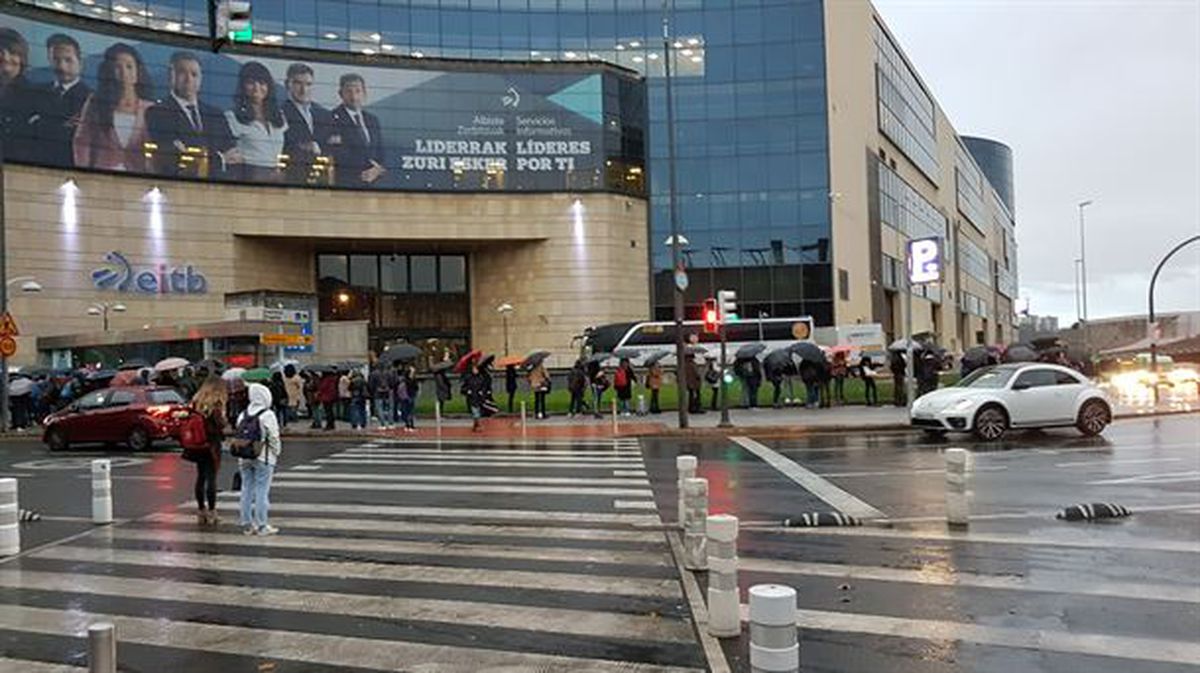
(237, 482)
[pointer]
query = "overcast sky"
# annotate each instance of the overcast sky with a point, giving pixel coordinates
(1099, 99)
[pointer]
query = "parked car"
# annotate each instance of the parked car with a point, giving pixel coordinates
(136, 416)
(992, 400)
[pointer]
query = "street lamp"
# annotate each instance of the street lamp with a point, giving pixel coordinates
(505, 309)
(1083, 278)
(1154, 336)
(102, 308)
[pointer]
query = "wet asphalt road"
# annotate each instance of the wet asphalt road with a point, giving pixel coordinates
(1017, 591)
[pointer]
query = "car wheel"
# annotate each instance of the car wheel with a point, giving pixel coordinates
(991, 423)
(56, 439)
(1094, 416)
(138, 440)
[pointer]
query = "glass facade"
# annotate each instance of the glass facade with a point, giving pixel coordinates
(969, 187)
(996, 161)
(906, 111)
(750, 111)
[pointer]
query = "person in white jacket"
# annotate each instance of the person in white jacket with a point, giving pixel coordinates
(257, 473)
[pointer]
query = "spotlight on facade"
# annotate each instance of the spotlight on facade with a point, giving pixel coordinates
(94, 310)
(31, 286)
(343, 297)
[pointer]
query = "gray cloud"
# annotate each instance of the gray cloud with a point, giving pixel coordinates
(1099, 100)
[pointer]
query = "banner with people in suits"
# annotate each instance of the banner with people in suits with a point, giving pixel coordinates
(162, 105)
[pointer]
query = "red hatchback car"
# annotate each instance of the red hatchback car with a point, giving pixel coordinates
(135, 416)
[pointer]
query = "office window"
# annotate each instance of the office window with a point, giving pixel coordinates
(906, 110)
(364, 271)
(424, 276)
(843, 285)
(452, 271)
(333, 267)
(393, 273)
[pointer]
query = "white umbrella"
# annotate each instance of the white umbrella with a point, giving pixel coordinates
(278, 366)
(21, 386)
(233, 373)
(170, 364)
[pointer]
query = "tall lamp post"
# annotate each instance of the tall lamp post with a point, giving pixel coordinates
(29, 286)
(676, 267)
(1150, 314)
(1083, 279)
(102, 309)
(505, 309)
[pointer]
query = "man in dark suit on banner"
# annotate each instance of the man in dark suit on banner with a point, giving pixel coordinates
(60, 102)
(357, 138)
(309, 126)
(183, 126)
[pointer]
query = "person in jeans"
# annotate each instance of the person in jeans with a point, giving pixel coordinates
(475, 389)
(577, 380)
(358, 401)
(866, 370)
(256, 473)
(407, 388)
(327, 396)
(381, 393)
(210, 403)
(539, 383)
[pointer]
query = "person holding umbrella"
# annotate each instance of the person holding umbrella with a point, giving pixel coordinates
(475, 388)
(539, 383)
(899, 367)
(623, 381)
(691, 377)
(866, 370)
(327, 397)
(654, 380)
(441, 382)
(510, 385)
(577, 381)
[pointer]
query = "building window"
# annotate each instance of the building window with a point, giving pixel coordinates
(452, 272)
(843, 285)
(364, 271)
(333, 267)
(393, 273)
(424, 276)
(906, 110)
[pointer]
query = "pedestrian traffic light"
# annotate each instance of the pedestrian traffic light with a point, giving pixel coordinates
(727, 306)
(711, 316)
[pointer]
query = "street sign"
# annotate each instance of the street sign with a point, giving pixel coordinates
(681, 280)
(285, 339)
(8, 346)
(727, 306)
(924, 261)
(8, 326)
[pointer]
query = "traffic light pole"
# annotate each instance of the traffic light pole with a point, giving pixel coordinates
(676, 265)
(725, 422)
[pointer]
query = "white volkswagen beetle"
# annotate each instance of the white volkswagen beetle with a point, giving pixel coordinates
(992, 400)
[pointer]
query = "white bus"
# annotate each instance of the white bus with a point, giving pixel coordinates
(649, 337)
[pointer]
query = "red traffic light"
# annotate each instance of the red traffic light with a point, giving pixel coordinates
(711, 316)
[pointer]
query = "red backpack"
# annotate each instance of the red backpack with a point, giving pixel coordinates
(193, 435)
(621, 379)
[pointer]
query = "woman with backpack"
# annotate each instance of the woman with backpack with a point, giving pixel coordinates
(257, 446)
(202, 445)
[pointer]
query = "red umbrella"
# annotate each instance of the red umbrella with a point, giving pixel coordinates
(465, 361)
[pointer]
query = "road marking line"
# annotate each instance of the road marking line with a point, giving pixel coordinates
(810, 481)
(313, 648)
(647, 505)
(30, 666)
(366, 570)
(1126, 461)
(530, 445)
(17, 475)
(1104, 645)
(305, 468)
(899, 473)
(1123, 542)
(629, 473)
(228, 501)
(131, 477)
(549, 620)
(447, 549)
(462, 488)
(577, 456)
(470, 463)
(457, 479)
(1159, 478)
(435, 527)
(717, 663)
(1160, 592)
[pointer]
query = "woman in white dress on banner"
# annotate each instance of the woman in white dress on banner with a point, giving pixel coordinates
(257, 124)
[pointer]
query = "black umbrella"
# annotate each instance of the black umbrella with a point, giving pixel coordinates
(534, 359)
(656, 357)
(778, 360)
(399, 353)
(976, 356)
(1046, 343)
(101, 375)
(316, 368)
(213, 366)
(487, 361)
(442, 366)
(134, 363)
(808, 352)
(749, 351)
(1020, 353)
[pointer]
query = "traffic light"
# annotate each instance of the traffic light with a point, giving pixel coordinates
(727, 306)
(711, 316)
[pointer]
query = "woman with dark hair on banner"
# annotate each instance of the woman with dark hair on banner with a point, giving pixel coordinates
(112, 133)
(257, 123)
(16, 96)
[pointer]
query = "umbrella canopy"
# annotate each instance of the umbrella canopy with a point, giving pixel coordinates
(317, 368)
(233, 373)
(807, 352)
(34, 372)
(21, 386)
(1020, 353)
(210, 364)
(133, 364)
(399, 353)
(976, 356)
(510, 361)
(170, 364)
(535, 358)
(656, 357)
(101, 375)
(127, 377)
(902, 345)
(1046, 342)
(749, 351)
(464, 363)
(441, 366)
(778, 360)
(627, 353)
(278, 366)
(258, 374)
(487, 361)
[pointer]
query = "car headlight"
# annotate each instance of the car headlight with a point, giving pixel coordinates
(960, 405)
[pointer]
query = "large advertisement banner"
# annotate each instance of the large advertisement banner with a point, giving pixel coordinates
(79, 99)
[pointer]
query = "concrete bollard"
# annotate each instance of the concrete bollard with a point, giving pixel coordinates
(695, 523)
(437, 416)
(957, 506)
(685, 468)
(641, 406)
(774, 644)
(10, 512)
(102, 648)
(524, 429)
(101, 491)
(616, 429)
(724, 601)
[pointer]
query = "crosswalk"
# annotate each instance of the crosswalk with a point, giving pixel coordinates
(391, 556)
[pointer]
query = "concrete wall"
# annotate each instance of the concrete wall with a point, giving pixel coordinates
(562, 265)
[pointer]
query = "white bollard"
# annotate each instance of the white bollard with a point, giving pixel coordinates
(641, 407)
(685, 468)
(957, 506)
(524, 430)
(437, 415)
(774, 644)
(614, 416)
(101, 491)
(724, 601)
(10, 513)
(102, 648)
(695, 520)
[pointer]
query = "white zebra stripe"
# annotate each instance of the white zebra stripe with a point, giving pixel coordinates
(465, 463)
(364, 570)
(629, 473)
(545, 620)
(464, 453)
(490, 458)
(314, 648)
(10, 665)
(527, 516)
(458, 479)
(462, 488)
(635, 504)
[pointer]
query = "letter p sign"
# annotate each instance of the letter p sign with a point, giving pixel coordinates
(924, 261)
